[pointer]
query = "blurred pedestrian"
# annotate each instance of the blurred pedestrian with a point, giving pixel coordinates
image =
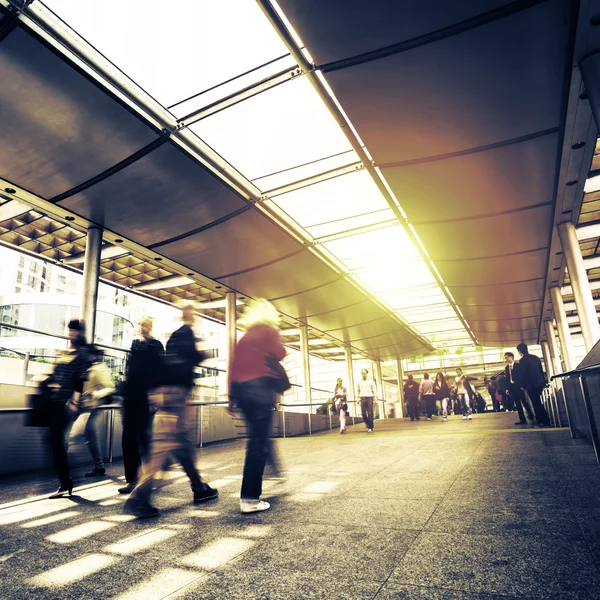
(463, 394)
(255, 377)
(63, 389)
(340, 399)
(411, 395)
(427, 396)
(367, 392)
(441, 391)
(170, 430)
(533, 381)
(143, 373)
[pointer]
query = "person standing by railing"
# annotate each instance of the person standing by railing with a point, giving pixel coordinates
(143, 371)
(63, 389)
(340, 399)
(255, 377)
(532, 379)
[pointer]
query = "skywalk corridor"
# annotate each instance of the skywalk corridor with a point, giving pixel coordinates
(457, 510)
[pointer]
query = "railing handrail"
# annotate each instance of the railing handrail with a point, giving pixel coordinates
(582, 371)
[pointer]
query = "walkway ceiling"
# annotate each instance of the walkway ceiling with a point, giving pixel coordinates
(460, 106)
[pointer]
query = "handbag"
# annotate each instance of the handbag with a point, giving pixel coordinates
(278, 378)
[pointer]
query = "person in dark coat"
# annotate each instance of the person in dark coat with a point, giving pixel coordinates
(513, 388)
(411, 396)
(170, 431)
(63, 390)
(531, 378)
(143, 369)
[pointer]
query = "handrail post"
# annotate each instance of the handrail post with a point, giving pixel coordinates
(283, 417)
(201, 425)
(589, 411)
(111, 433)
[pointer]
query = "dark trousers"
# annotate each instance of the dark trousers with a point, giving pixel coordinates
(413, 408)
(59, 423)
(520, 403)
(535, 394)
(366, 408)
(429, 400)
(256, 400)
(137, 424)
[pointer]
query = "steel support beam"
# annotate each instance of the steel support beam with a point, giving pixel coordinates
(231, 324)
(580, 284)
(306, 371)
(350, 380)
(399, 413)
(379, 384)
(563, 328)
(91, 277)
(553, 347)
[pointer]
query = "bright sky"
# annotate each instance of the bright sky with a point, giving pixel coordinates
(206, 42)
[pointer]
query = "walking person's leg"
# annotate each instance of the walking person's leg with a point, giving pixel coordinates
(60, 422)
(445, 409)
(535, 394)
(342, 420)
(91, 436)
(363, 412)
(370, 414)
(132, 426)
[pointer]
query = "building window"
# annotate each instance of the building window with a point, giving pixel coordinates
(17, 289)
(62, 279)
(19, 276)
(21, 261)
(43, 287)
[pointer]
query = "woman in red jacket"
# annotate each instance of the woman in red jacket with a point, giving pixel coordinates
(251, 390)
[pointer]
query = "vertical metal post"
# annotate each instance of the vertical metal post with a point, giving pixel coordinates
(111, 433)
(350, 384)
(283, 417)
(379, 384)
(25, 368)
(555, 402)
(306, 372)
(563, 327)
(549, 374)
(400, 374)
(553, 346)
(586, 309)
(590, 415)
(201, 425)
(91, 273)
(230, 320)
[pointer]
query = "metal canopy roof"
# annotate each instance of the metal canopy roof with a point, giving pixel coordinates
(425, 226)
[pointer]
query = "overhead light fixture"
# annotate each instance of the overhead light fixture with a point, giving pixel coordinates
(572, 182)
(578, 145)
(10, 190)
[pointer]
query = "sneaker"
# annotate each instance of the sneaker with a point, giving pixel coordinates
(428, 419)
(369, 431)
(520, 422)
(251, 506)
(142, 511)
(445, 420)
(96, 472)
(464, 418)
(126, 489)
(206, 494)
(470, 417)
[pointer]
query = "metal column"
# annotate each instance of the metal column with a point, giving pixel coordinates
(306, 372)
(91, 273)
(553, 346)
(586, 309)
(379, 384)
(400, 413)
(563, 328)
(548, 360)
(230, 320)
(350, 383)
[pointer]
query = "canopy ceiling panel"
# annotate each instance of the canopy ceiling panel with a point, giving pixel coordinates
(365, 329)
(498, 180)
(510, 338)
(486, 327)
(493, 271)
(241, 243)
(502, 294)
(513, 310)
(500, 235)
(333, 30)
(58, 128)
(497, 82)
(164, 188)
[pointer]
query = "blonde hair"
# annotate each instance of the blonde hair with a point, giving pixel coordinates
(259, 312)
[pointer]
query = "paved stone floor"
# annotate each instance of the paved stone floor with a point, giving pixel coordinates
(428, 510)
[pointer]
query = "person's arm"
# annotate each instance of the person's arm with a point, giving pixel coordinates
(104, 383)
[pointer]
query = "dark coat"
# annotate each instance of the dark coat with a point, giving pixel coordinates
(181, 357)
(531, 374)
(143, 367)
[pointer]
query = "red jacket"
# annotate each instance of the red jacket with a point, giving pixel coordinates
(249, 357)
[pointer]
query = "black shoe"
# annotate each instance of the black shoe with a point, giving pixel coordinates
(142, 511)
(96, 472)
(206, 494)
(544, 425)
(64, 488)
(127, 489)
(521, 423)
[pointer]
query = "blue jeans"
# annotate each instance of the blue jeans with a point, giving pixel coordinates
(256, 400)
